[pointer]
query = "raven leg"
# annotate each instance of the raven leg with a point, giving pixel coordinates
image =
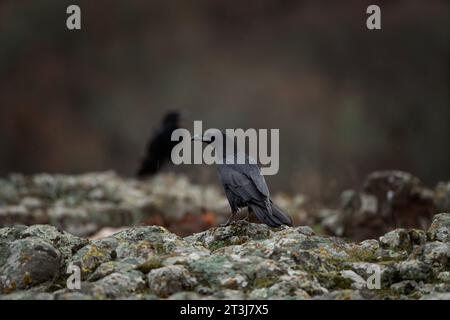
(233, 214)
(247, 216)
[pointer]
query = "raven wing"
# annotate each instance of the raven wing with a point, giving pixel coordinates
(253, 173)
(242, 185)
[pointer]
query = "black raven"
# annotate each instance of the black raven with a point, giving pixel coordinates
(160, 146)
(243, 184)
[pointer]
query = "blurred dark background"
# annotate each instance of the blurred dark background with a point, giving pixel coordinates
(347, 100)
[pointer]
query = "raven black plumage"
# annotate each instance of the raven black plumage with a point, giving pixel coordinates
(160, 146)
(245, 186)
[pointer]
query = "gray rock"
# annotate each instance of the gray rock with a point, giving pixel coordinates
(110, 267)
(240, 261)
(83, 204)
(228, 294)
(394, 198)
(357, 281)
(440, 228)
(404, 287)
(436, 296)
(418, 237)
(444, 276)
(346, 294)
(66, 243)
(238, 233)
(169, 280)
(91, 256)
(370, 245)
(436, 254)
(186, 295)
(30, 261)
(282, 290)
(27, 295)
(397, 239)
(296, 286)
(414, 270)
(117, 285)
(306, 230)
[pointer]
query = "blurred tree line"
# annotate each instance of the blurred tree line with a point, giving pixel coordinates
(347, 100)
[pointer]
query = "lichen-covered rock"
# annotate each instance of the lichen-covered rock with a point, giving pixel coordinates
(397, 239)
(109, 267)
(357, 282)
(418, 237)
(169, 280)
(30, 261)
(91, 256)
(307, 231)
(346, 294)
(388, 199)
(370, 245)
(436, 296)
(436, 254)
(240, 261)
(288, 288)
(397, 192)
(222, 271)
(444, 276)
(186, 295)
(27, 295)
(404, 287)
(440, 228)
(48, 250)
(66, 243)
(139, 246)
(224, 236)
(83, 204)
(117, 285)
(414, 270)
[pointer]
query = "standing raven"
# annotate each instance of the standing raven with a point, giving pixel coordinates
(160, 146)
(243, 183)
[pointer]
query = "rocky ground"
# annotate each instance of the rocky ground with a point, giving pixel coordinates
(51, 224)
(84, 205)
(241, 261)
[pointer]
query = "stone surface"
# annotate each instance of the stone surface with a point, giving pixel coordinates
(440, 228)
(240, 261)
(30, 261)
(169, 280)
(84, 204)
(396, 239)
(388, 199)
(414, 270)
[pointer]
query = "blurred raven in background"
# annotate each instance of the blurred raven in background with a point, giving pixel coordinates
(160, 146)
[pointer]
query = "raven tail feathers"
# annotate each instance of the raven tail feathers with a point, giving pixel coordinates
(276, 219)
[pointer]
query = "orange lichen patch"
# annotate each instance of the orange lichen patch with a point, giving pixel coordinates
(27, 280)
(10, 287)
(209, 218)
(24, 258)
